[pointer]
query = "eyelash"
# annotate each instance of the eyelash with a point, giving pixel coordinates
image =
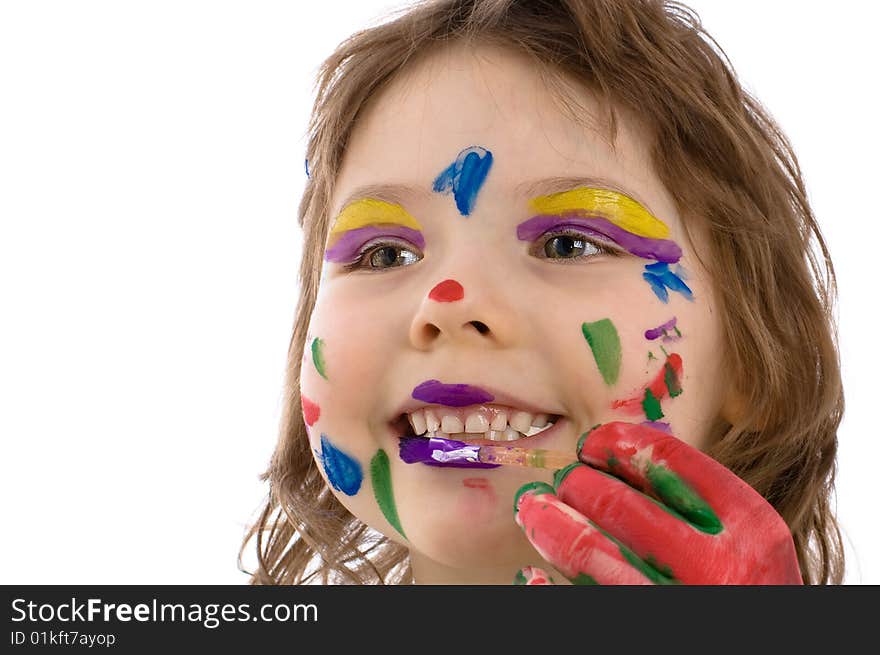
(603, 248)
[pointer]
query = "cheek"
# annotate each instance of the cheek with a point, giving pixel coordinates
(345, 347)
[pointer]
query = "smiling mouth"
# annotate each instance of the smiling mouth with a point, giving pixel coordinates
(479, 425)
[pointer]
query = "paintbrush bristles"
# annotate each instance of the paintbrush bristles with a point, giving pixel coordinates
(532, 457)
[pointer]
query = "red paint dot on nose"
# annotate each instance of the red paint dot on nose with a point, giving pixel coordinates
(447, 291)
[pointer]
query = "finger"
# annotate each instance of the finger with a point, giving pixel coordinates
(532, 575)
(683, 478)
(574, 545)
(652, 531)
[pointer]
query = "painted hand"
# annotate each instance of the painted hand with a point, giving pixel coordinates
(646, 508)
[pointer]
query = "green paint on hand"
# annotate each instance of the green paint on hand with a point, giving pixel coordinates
(583, 437)
(605, 344)
(318, 356)
(583, 579)
(677, 331)
(665, 570)
(651, 356)
(562, 473)
(519, 578)
(673, 384)
(537, 487)
(652, 406)
(380, 472)
(644, 568)
(676, 493)
(637, 562)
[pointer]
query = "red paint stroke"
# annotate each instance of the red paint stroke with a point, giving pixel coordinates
(476, 483)
(311, 411)
(658, 387)
(447, 291)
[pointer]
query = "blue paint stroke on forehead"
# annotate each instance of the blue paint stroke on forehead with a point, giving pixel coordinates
(465, 176)
(660, 278)
(343, 471)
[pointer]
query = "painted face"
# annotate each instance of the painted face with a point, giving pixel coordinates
(490, 252)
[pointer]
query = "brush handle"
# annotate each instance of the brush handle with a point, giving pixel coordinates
(533, 457)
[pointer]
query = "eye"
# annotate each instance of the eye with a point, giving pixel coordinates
(570, 245)
(382, 255)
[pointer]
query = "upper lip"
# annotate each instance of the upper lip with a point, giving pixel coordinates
(501, 397)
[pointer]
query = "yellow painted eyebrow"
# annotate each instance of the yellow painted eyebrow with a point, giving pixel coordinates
(620, 209)
(369, 211)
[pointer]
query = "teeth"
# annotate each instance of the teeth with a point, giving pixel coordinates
(505, 425)
(451, 424)
(500, 421)
(521, 421)
(417, 421)
(511, 435)
(476, 423)
(431, 420)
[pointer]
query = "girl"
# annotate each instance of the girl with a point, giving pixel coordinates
(560, 226)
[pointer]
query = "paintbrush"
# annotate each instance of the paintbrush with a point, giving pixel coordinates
(435, 451)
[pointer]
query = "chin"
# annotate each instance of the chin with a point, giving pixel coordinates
(466, 547)
(470, 525)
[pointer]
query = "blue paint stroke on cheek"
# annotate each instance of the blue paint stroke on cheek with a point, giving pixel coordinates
(465, 176)
(343, 471)
(660, 278)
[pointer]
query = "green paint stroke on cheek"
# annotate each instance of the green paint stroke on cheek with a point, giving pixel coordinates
(676, 493)
(380, 472)
(318, 356)
(652, 406)
(673, 384)
(605, 344)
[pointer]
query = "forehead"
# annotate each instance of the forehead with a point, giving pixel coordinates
(463, 96)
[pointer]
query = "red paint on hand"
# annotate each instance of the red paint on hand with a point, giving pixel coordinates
(532, 575)
(673, 512)
(447, 291)
(572, 543)
(311, 411)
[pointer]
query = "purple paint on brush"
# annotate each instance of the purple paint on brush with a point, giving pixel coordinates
(348, 245)
(441, 452)
(661, 250)
(660, 330)
(451, 395)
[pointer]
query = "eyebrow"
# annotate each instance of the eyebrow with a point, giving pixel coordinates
(547, 186)
(392, 193)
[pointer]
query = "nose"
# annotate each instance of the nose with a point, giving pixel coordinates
(463, 314)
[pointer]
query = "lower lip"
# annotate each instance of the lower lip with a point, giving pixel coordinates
(533, 441)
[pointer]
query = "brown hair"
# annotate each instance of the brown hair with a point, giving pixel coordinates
(730, 170)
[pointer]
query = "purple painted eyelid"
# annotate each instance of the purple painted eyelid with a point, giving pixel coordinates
(350, 243)
(451, 395)
(662, 250)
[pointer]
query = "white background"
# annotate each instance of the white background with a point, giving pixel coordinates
(151, 162)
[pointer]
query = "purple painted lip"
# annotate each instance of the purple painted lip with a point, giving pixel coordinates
(451, 395)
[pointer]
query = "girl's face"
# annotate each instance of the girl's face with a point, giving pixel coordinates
(514, 264)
